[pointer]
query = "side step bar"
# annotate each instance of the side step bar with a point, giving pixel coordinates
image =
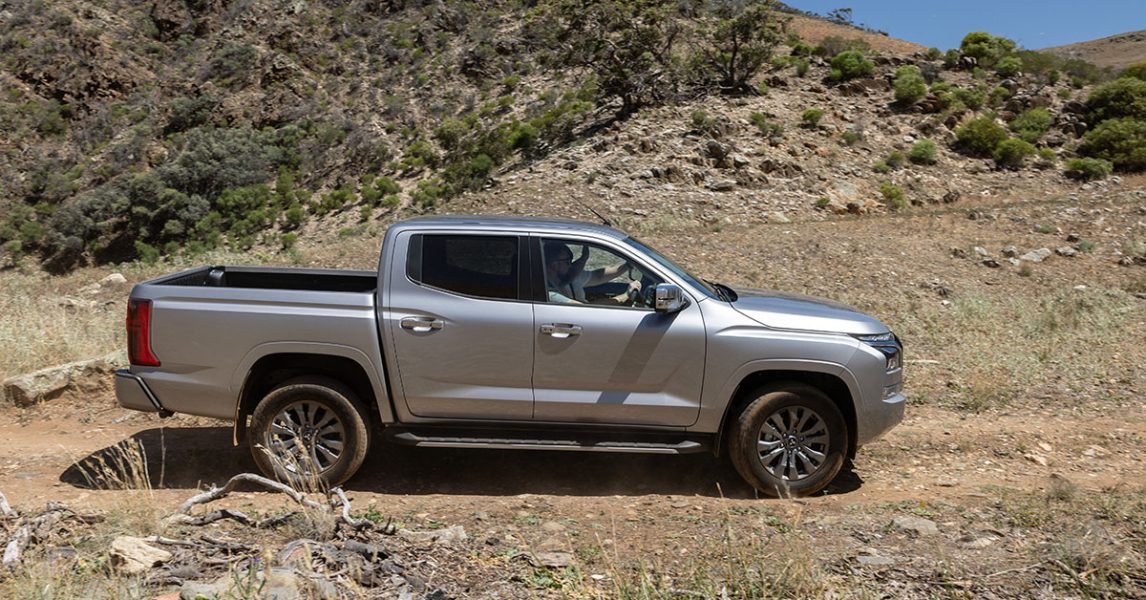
(504, 440)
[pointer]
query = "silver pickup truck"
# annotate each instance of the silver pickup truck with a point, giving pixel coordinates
(513, 333)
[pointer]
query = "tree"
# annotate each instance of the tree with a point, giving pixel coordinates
(909, 85)
(741, 41)
(985, 48)
(841, 16)
(627, 45)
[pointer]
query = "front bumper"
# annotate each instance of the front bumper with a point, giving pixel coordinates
(131, 391)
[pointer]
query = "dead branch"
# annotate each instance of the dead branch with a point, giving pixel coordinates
(358, 524)
(228, 546)
(156, 539)
(5, 508)
(218, 515)
(215, 493)
(35, 528)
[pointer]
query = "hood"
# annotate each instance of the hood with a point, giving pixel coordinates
(782, 310)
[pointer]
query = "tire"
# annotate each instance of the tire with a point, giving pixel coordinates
(789, 441)
(321, 409)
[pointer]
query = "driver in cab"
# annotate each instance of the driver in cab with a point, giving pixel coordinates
(566, 279)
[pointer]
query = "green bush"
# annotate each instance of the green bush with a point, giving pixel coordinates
(1088, 169)
(972, 99)
(894, 195)
(895, 160)
(1120, 141)
(1009, 66)
(766, 127)
(850, 64)
(1012, 153)
(985, 48)
(923, 152)
(802, 66)
(980, 136)
(835, 45)
(215, 159)
(701, 120)
(801, 49)
(909, 85)
(851, 137)
(812, 116)
(934, 54)
(1136, 70)
(1032, 124)
(881, 167)
(998, 96)
(1124, 97)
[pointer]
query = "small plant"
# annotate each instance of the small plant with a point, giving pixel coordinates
(893, 194)
(1009, 66)
(288, 240)
(811, 117)
(1047, 158)
(850, 64)
(895, 160)
(851, 137)
(1088, 169)
(1044, 228)
(909, 85)
(923, 152)
(980, 136)
(769, 129)
(701, 120)
(1120, 141)
(998, 96)
(1012, 153)
(881, 167)
(823, 202)
(1032, 124)
(1086, 246)
(802, 66)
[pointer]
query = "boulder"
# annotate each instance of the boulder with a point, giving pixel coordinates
(48, 384)
(1037, 255)
(917, 526)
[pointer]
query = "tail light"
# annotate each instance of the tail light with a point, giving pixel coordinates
(139, 334)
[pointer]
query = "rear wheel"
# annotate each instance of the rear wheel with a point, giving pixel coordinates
(309, 432)
(790, 440)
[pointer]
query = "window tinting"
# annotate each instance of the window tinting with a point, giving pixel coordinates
(474, 265)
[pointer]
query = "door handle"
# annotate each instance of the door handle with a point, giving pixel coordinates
(421, 324)
(560, 330)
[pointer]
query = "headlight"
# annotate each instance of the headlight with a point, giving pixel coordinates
(887, 343)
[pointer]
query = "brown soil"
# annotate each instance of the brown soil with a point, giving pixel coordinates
(813, 31)
(1116, 51)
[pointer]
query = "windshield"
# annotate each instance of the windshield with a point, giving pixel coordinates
(673, 267)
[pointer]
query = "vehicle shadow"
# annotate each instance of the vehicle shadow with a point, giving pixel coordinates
(191, 457)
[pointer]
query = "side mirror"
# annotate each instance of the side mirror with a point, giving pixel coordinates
(670, 298)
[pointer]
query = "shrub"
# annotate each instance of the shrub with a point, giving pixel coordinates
(1136, 70)
(973, 99)
(895, 160)
(998, 96)
(881, 167)
(934, 54)
(893, 194)
(850, 64)
(1125, 97)
(1009, 66)
(1053, 77)
(834, 45)
(812, 116)
(1032, 124)
(923, 153)
(802, 66)
(1088, 169)
(851, 137)
(1047, 158)
(1011, 153)
(980, 136)
(288, 240)
(801, 49)
(189, 112)
(1120, 141)
(985, 48)
(213, 160)
(769, 129)
(909, 85)
(701, 120)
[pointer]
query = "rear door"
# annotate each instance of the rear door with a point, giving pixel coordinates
(462, 336)
(602, 357)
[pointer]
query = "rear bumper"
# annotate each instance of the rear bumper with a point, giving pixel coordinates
(131, 391)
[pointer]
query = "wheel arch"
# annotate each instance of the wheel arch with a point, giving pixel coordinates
(842, 393)
(347, 365)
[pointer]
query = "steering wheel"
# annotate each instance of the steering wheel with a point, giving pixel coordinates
(640, 299)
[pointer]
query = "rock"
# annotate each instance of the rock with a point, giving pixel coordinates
(778, 217)
(1014, 261)
(1073, 237)
(978, 543)
(1066, 251)
(134, 556)
(946, 482)
(1037, 256)
(992, 263)
(1010, 251)
(915, 526)
(447, 537)
(554, 560)
(981, 251)
(1038, 459)
(739, 161)
(51, 383)
(552, 527)
(875, 561)
(280, 584)
(950, 197)
(722, 185)
(113, 280)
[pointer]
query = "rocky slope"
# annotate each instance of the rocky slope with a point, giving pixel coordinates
(1116, 51)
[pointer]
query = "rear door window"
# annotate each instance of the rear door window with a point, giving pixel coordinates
(472, 265)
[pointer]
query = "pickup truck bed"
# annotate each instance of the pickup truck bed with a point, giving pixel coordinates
(311, 280)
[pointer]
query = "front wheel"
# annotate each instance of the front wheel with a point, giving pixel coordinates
(309, 432)
(789, 441)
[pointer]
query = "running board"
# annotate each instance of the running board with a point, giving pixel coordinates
(589, 443)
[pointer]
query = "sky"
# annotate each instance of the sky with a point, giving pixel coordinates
(1033, 24)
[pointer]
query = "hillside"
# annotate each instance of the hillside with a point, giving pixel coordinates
(1116, 51)
(142, 130)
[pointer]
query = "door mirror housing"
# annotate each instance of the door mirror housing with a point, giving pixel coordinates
(670, 298)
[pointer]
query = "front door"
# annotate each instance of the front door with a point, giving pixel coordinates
(604, 356)
(461, 334)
